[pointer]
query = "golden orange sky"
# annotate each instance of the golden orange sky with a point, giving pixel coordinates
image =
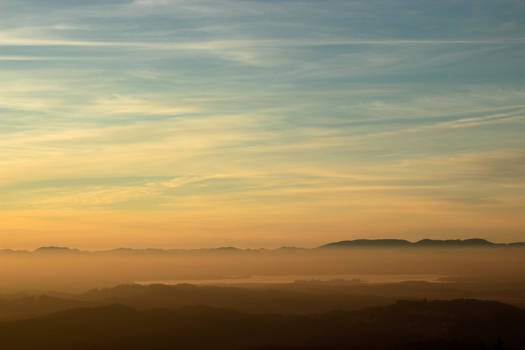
(161, 124)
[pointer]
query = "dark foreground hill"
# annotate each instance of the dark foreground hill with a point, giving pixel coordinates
(457, 324)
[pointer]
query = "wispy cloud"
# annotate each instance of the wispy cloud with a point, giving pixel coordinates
(129, 105)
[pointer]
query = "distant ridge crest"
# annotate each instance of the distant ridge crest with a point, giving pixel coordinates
(471, 242)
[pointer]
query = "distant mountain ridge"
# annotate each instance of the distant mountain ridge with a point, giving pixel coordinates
(472, 242)
(356, 243)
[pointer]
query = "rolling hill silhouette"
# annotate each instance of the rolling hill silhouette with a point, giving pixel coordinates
(300, 299)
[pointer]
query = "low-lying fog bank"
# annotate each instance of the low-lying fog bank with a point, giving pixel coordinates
(70, 271)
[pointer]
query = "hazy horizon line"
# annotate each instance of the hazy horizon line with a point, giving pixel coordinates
(371, 241)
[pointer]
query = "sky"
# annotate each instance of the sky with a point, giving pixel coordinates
(189, 123)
